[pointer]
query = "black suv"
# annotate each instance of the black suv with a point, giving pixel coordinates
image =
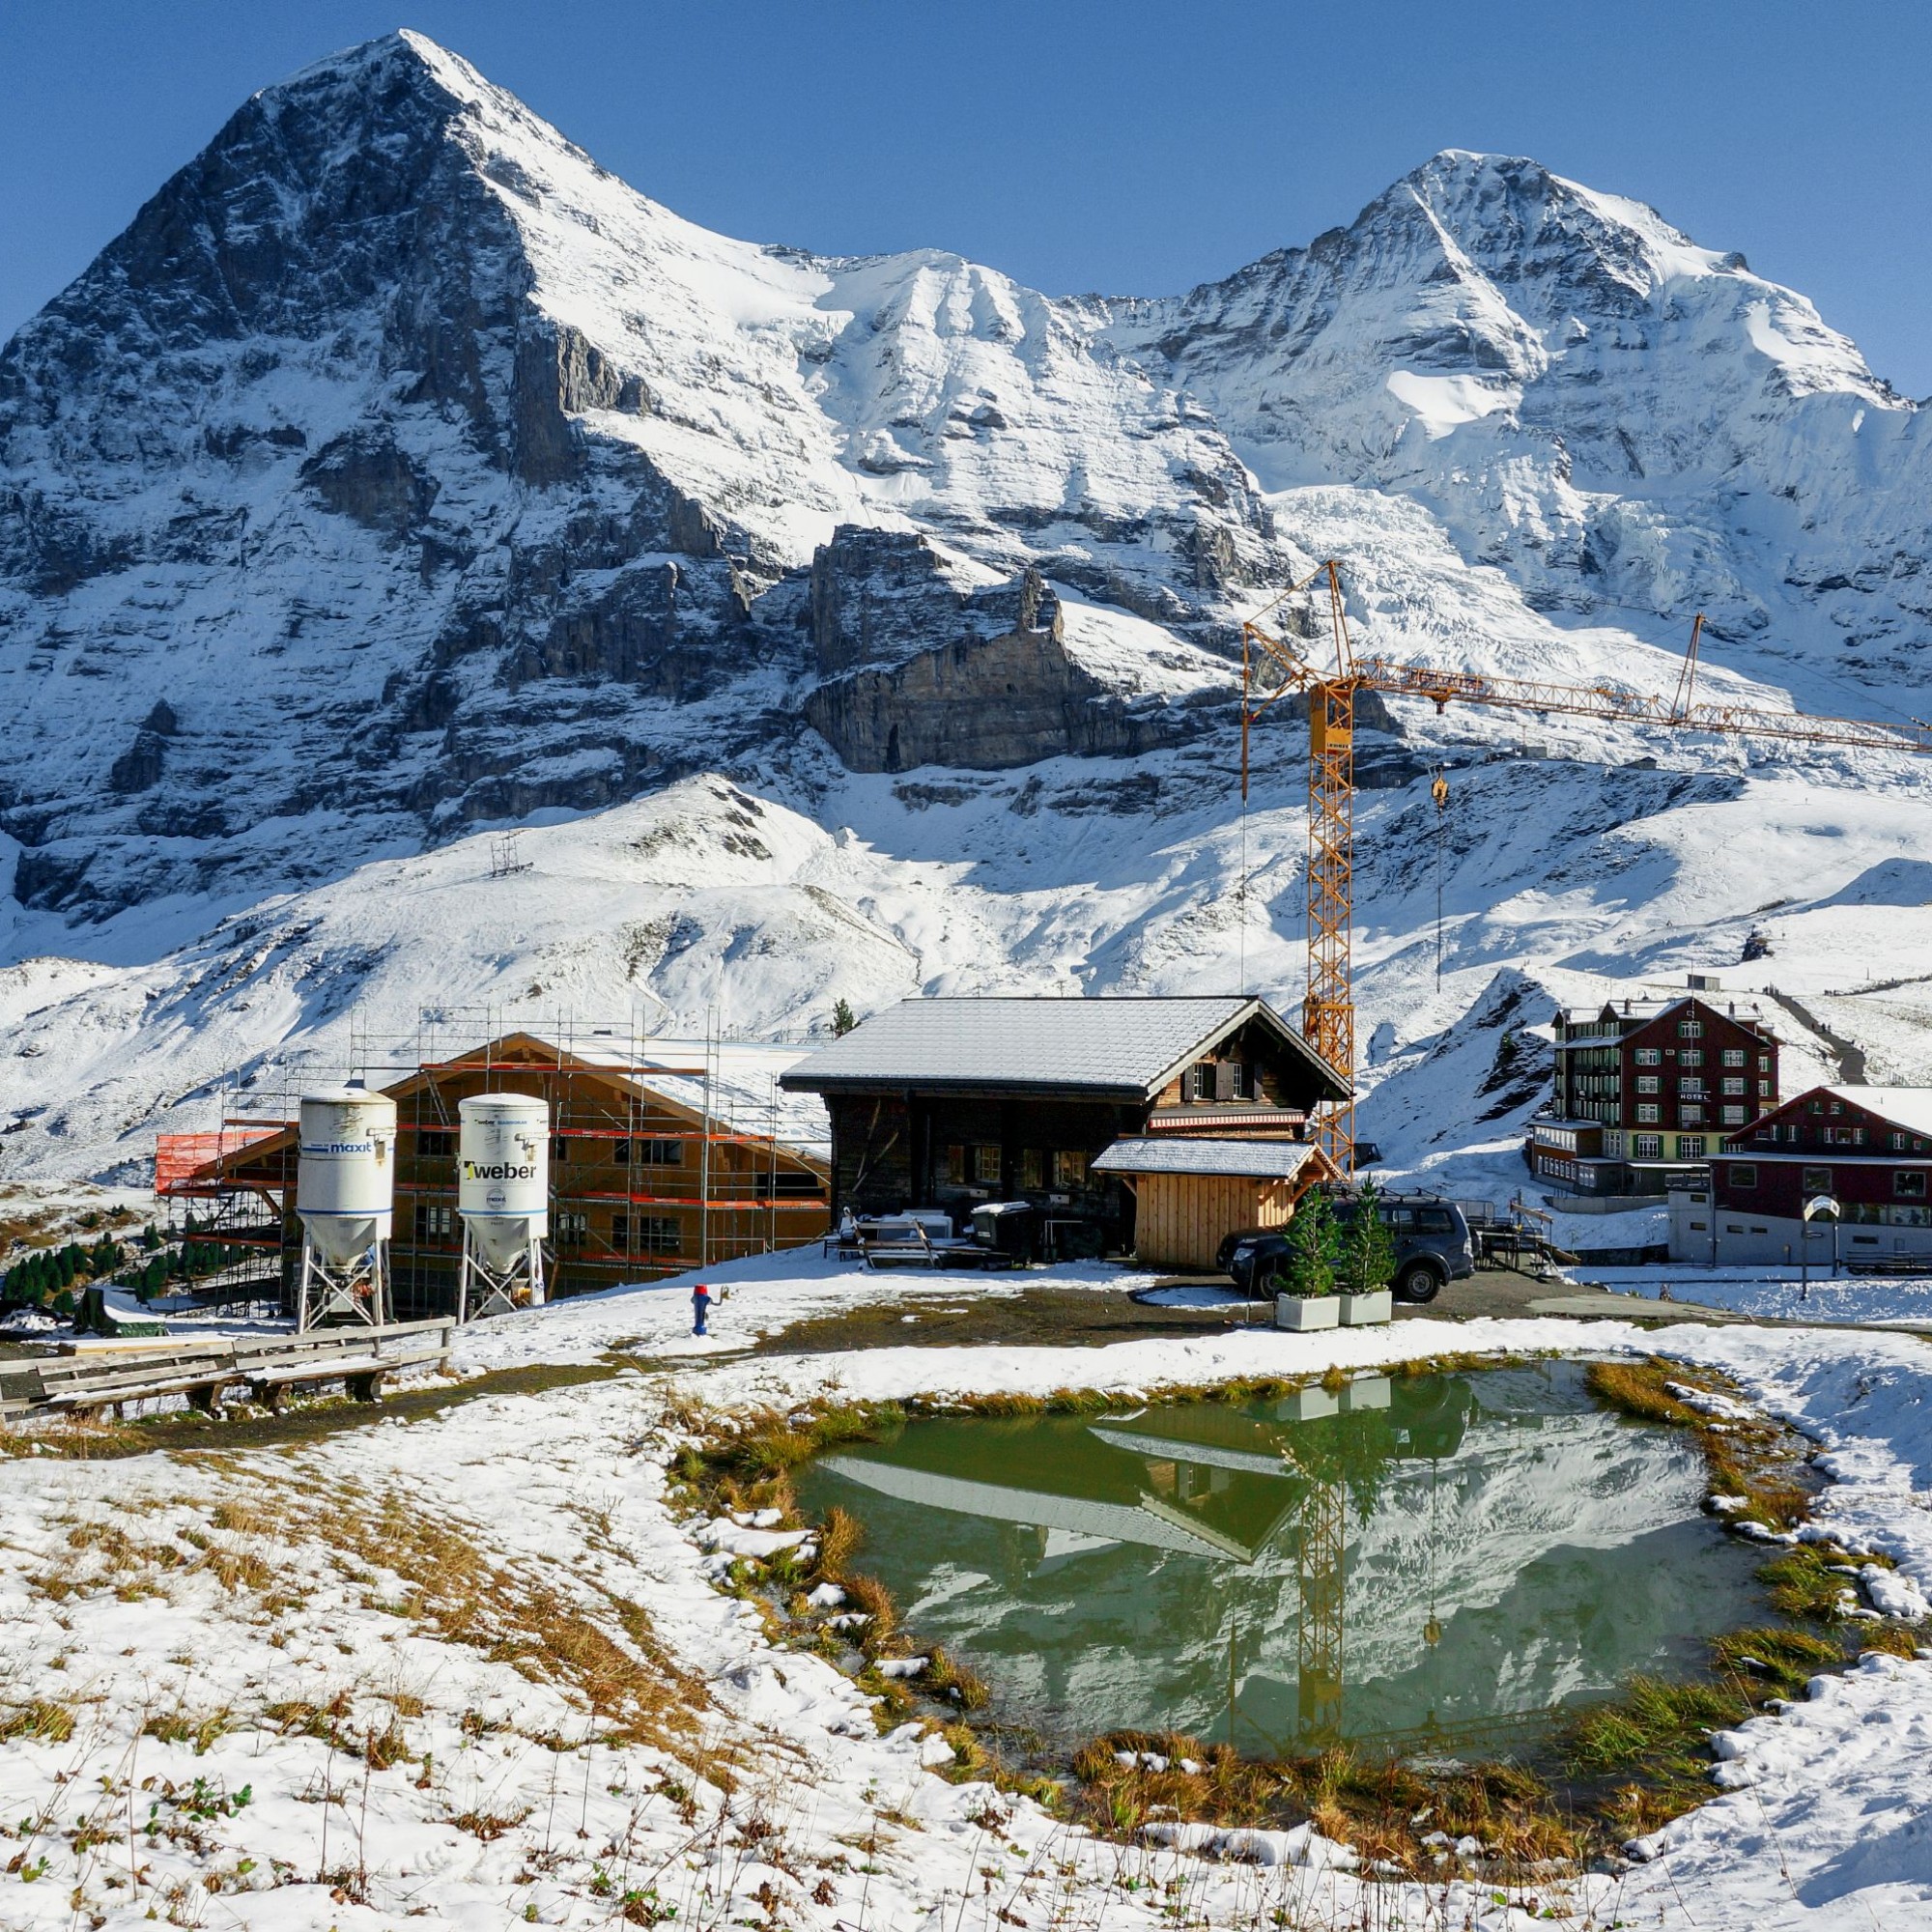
(1431, 1246)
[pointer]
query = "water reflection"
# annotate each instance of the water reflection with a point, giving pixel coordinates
(1430, 1558)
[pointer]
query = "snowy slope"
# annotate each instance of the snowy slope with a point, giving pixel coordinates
(400, 473)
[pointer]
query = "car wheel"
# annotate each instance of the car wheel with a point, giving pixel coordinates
(1418, 1282)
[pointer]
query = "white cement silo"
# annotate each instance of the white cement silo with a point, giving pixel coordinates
(345, 1197)
(503, 1193)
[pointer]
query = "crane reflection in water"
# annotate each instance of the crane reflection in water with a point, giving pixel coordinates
(1408, 1558)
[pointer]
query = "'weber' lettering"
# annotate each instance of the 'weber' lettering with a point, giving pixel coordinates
(503, 1170)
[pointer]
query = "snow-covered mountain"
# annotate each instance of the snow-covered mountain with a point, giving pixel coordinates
(851, 626)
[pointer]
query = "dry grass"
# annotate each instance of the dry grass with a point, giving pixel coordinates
(39, 1721)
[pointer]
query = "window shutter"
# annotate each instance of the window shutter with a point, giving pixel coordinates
(1225, 1083)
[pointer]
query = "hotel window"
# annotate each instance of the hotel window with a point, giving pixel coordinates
(1690, 1147)
(1649, 1056)
(1734, 1056)
(1816, 1181)
(1647, 1147)
(1909, 1186)
(1764, 1090)
(1733, 1084)
(1689, 1028)
(1069, 1169)
(1764, 1063)
(1690, 1116)
(1646, 1112)
(1734, 1117)
(1742, 1174)
(1896, 1141)
(1692, 1056)
(1647, 1083)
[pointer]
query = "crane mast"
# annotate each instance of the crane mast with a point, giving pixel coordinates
(1273, 669)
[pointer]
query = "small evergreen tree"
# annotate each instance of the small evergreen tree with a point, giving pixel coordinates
(1309, 1265)
(843, 1018)
(1366, 1261)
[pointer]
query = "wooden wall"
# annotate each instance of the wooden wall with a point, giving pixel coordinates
(1185, 1217)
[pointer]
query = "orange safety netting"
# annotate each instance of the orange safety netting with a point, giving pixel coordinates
(183, 1163)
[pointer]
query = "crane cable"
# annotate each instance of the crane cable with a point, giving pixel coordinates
(1439, 790)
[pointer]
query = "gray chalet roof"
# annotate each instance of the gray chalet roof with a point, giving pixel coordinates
(1243, 1161)
(1117, 1049)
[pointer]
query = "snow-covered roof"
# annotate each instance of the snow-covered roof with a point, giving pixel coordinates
(1117, 1047)
(1907, 1107)
(1244, 1160)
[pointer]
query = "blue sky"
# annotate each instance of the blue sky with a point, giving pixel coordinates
(1125, 147)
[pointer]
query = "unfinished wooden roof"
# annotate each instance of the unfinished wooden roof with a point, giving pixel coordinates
(1113, 1048)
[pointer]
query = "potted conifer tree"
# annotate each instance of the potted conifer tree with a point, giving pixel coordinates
(1304, 1280)
(1365, 1263)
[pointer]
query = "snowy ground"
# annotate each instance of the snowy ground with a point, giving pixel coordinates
(397, 1673)
(1775, 1294)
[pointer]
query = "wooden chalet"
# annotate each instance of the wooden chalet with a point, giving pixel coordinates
(951, 1102)
(643, 1184)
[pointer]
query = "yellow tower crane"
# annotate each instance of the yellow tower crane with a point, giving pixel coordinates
(1272, 668)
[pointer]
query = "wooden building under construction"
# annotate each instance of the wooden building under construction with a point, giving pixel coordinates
(643, 1182)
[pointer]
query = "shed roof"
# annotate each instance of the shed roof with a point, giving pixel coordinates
(1244, 1160)
(1114, 1048)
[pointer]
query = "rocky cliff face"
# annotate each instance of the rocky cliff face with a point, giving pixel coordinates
(400, 470)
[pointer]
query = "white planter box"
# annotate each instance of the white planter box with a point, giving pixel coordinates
(1364, 1311)
(1303, 1312)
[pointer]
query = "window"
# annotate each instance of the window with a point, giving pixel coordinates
(1764, 1090)
(648, 1153)
(789, 1183)
(1734, 1056)
(434, 1144)
(1200, 1082)
(1649, 1056)
(1764, 1063)
(1896, 1141)
(1814, 1106)
(955, 1166)
(434, 1223)
(1734, 1117)
(645, 1234)
(1069, 1169)
(1647, 1083)
(1733, 1084)
(987, 1164)
(1240, 1078)
(1690, 1116)
(1690, 1147)
(1909, 1185)
(1816, 1181)
(1744, 1174)
(1692, 1056)
(1838, 1106)
(1689, 1028)
(569, 1229)
(1647, 1147)
(1646, 1112)
(1032, 1169)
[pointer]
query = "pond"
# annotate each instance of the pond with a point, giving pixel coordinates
(1433, 1563)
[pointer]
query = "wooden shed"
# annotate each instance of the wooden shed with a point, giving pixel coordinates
(1193, 1194)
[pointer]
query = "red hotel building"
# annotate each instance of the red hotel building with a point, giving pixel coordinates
(1869, 1149)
